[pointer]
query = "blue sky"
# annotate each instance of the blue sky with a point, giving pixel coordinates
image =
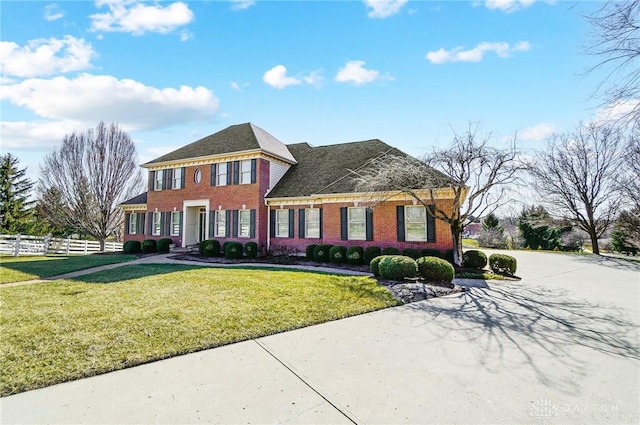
(324, 72)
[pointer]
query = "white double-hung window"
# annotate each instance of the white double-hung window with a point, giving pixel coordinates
(282, 223)
(357, 220)
(220, 229)
(312, 223)
(415, 221)
(245, 172)
(158, 181)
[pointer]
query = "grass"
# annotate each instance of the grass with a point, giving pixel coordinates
(470, 243)
(17, 269)
(480, 275)
(59, 331)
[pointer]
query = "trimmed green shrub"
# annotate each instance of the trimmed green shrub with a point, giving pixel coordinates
(251, 250)
(355, 255)
(397, 267)
(338, 254)
(448, 255)
(390, 250)
(210, 248)
(149, 246)
(163, 244)
(370, 253)
(503, 264)
(431, 252)
(474, 259)
(435, 269)
(321, 253)
(224, 247)
(411, 252)
(374, 265)
(309, 251)
(233, 250)
(132, 247)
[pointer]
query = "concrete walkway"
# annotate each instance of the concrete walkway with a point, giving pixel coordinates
(560, 347)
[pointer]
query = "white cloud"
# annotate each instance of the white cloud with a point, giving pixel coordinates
(242, 4)
(185, 35)
(138, 18)
(89, 99)
(508, 5)
(476, 54)
(43, 57)
(537, 132)
(35, 135)
(277, 77)
(354, 72)
(383, 8)
(613, 113)
(314, 78)
(53, 12)
(238, 86)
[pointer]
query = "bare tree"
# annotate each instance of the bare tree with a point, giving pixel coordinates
(577, 177)
(616, 34)
(473, 173)
(631, 185)
(92, 172)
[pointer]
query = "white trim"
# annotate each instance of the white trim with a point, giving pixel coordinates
(208, 159)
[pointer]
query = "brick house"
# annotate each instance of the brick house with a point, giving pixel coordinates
(242, 184)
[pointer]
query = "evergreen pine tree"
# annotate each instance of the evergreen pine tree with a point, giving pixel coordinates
(16, 215)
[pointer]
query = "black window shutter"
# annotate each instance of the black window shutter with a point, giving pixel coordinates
(180, 231)
(168, 178)
(150, 223)
(234, 230)
(344, 232)
(272, 223)
(252, 223)
(183, 170)
(292, 214)
(320, 223)
(236, 172)
(152, 177)
(162, 215)
(253, 170)
(229, 173)
(167, 223)
(400, 222)
(369, 223)
(140, 230)
(301, 222)
(431, 224)
(127, 217)
(212, 219)
(212, 180)
(227, 223)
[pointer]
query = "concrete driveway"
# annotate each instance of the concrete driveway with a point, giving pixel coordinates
(562, 346)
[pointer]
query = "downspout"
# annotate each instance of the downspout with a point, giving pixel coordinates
(268, 226)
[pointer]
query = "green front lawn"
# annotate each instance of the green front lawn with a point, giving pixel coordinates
(18, 269)
(58, 331)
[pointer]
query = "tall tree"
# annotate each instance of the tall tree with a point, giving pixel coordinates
(577, 177)
(17, 212)
(475, 174)
(616, 43)
(91, 173)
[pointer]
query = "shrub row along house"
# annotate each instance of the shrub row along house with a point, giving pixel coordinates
(242, 184)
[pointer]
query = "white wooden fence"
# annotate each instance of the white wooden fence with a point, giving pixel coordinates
(17, 245)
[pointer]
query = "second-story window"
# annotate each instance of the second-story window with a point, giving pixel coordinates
(221, 174)
(177, 178)
(158, 182)
(245, 172)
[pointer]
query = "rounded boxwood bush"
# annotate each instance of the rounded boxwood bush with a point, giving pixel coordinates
(390, 250)
(431, 252)
(210, 248)
(132, 247)
(321, 253)
(370, 253)
(435, 269)
(411, 252)
(474, 259)
(355, 255)
(308, 252)
(251, 250)
(338, 254)
(149, 246)
(397, 267)
(163, 244)
(503, 264)
(233, 250)
(448, 255)
(374, 265)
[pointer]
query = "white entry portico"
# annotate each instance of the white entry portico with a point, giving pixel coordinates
(196, 221)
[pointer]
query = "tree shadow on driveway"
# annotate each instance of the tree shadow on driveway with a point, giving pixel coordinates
(612, 262)
(545, 331)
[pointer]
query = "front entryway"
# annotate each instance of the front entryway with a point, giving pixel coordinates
(202, 224)
(196, 221)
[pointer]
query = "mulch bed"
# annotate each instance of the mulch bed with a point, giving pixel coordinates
(409, 291)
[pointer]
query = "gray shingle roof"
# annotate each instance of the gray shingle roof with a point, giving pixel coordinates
(236, 138)
(140, 199)
(325, 169)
